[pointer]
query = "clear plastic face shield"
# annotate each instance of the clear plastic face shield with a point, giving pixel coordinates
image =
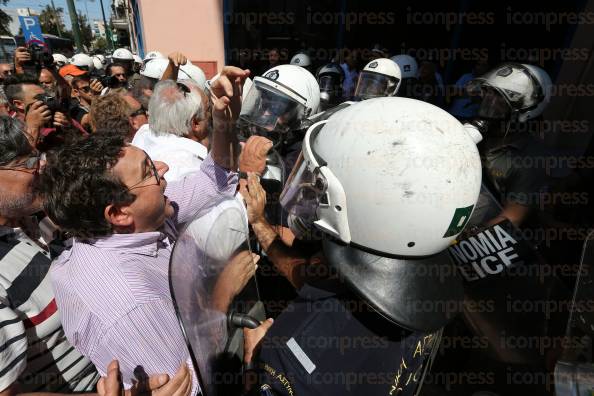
(508, 89)
(303, 192)
(312, 190)
(330, 89)
(266, 110)
(375, 85)
(493, 105)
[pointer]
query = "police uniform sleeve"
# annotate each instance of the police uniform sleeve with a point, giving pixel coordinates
(525, 186)
(13, 343)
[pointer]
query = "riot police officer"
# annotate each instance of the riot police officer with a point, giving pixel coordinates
(330, 78)
(379, 78)
(514, 96)
(372, 300)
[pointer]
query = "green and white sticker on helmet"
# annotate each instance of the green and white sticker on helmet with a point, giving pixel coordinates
(459, 221)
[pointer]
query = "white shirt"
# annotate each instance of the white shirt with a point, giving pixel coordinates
(182, 155)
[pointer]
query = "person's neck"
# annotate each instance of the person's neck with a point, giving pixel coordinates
(202, 140)
(9, 222)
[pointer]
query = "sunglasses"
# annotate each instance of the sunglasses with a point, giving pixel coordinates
(85, 89)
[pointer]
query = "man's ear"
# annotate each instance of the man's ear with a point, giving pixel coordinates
(119, 216)
(18, 105)
(132, 122)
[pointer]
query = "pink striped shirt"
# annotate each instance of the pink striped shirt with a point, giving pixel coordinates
(113, 292)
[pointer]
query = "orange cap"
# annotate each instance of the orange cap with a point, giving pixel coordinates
(71, 70)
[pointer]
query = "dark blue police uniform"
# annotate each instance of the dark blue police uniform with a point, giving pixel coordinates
(328, 342)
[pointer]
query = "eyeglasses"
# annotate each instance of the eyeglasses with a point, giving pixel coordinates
(154, 173)
(140, 111)
(184, 88)
(30, 164)
(85, 89)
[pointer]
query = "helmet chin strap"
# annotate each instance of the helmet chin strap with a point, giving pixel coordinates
(515, 115)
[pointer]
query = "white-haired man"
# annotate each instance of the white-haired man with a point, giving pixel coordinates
(178, 128)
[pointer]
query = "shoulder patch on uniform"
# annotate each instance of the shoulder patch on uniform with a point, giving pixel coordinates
(301, 356)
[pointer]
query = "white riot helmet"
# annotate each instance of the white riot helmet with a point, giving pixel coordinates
(513, 91)
(301, 59)
(407, 64)
(99, 62)
(191, 72)
(152, 55)
(122, 54)
(83, 62)
(60, 60)
(137, 63)
(155, 68)
(281, 100)
(390, 182)
(380, 77)
(330, 78)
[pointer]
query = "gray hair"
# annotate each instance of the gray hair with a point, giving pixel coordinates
(3, 98)
(171, 111)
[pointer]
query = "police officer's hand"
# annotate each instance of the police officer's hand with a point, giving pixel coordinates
(255, 198)
(253, 337)
(158, 385)
(253, 154)
(233, 279)
(38, 115)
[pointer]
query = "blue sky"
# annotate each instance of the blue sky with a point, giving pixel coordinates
(93, 7)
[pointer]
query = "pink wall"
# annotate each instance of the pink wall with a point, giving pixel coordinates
(194, 27)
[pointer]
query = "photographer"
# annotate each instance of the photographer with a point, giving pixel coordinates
(48, 81)
(43, 114)
(118, 76)
(30, 60)
(83, 93)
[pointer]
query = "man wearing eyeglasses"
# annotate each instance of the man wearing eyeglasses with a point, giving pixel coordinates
(35, 355)
(112, 286)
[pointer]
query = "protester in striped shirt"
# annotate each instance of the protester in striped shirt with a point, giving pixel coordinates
(34, 352)
(112, 285)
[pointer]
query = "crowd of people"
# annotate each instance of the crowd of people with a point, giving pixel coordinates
(371, 173)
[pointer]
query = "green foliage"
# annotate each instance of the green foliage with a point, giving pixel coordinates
(5, 20)
(100, 44)
(51, 20)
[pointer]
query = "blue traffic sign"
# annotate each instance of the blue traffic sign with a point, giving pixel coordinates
(32, 30)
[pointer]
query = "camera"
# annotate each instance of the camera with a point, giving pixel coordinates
(111, 82)
(54, 104)
(40, 58)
